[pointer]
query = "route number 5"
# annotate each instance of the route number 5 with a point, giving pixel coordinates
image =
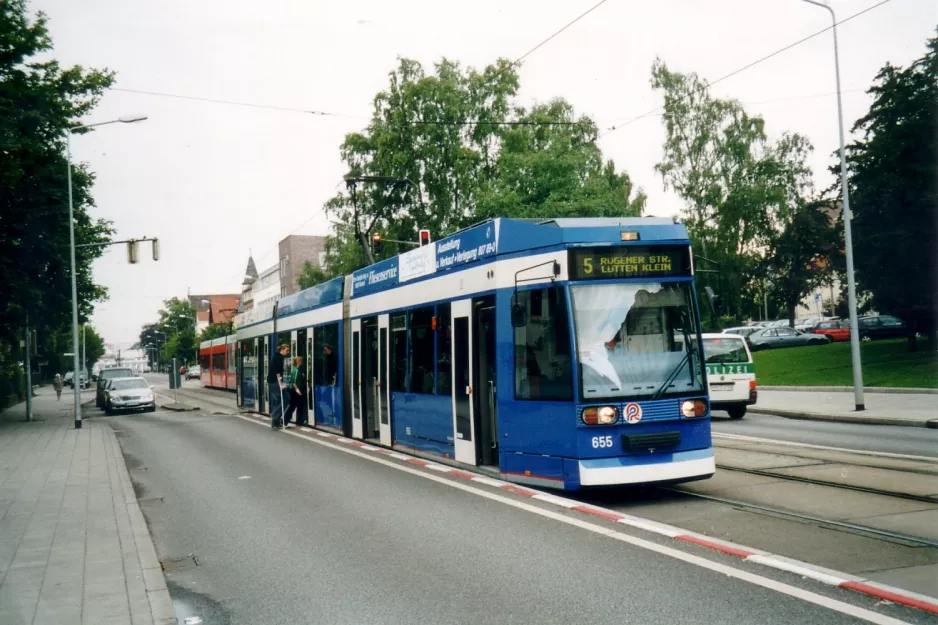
(602, 442)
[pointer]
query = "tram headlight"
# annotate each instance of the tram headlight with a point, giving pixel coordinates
(599, 415)
(694, 408)
(607, 415)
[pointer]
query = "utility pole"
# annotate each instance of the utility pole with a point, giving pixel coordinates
(29, 375)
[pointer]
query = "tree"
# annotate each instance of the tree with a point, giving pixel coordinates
(214, 331)
(741, 190)
(553, 168)
(39, 102)
(894, 191)
(462, 152)
(311, 275)
(800, 255)
(177, 324)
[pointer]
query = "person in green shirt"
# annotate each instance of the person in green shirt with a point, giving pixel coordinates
(296, 387)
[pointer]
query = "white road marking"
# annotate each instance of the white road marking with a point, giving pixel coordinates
(245, 477)
(798, 569)
(729, 571)
(883, 454)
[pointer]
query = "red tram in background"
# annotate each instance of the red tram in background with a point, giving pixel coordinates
(218, 363)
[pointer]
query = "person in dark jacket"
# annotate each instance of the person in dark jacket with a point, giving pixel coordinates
(276, 386)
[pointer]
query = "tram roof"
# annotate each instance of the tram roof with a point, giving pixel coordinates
(482, 241)
(497, 237)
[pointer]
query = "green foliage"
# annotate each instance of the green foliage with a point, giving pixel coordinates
(469, 153)
(175, 332)
(885, 363)
(894, 191)
(311, 275)
(53, 347)
(39, 101)
(742, 192)
(214, 331)
(798, 258)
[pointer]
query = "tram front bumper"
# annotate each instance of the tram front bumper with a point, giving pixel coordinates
(670, 467)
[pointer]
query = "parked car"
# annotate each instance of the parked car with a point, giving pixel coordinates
(130, 393)
(109, 374)
(773, 338)
(835, 331)
(743, 331)
(69, 379)
(731, 380)
(881, 327)
(194, 372)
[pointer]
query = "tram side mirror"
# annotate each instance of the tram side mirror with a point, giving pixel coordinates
(518, 316)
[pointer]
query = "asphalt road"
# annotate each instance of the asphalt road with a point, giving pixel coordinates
(883, 438)
(256, 526)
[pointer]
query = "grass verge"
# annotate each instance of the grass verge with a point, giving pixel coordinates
(885, 363)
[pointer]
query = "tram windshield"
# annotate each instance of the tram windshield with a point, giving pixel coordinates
(635, 339)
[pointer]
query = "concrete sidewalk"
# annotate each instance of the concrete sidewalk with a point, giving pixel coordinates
(74, 546)
(910, 409)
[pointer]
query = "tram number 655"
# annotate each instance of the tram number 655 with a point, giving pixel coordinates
(602, 442)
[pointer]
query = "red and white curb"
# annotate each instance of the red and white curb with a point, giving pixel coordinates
(748, 554)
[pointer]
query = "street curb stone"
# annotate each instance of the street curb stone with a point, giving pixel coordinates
(161, 604)
(811, 416)
(894, 390)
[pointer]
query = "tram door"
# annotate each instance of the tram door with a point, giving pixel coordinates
(384, 384)
(484, 369)
(262, 347)
(308, 391)
(371, 378)
(463, 409)
(357, 392)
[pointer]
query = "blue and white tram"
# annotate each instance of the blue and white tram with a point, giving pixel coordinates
(560, 353)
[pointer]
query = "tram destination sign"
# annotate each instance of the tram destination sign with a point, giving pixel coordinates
(626, 261)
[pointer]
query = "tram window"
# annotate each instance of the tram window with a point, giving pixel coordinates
(542, 347)
(218, 362)
(444, 385)
(205, 362)
(398, 353)
(422, 365)
(326, 358)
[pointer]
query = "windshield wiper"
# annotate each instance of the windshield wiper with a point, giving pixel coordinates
(661, 389)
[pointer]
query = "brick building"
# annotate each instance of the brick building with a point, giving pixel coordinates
(295, 250)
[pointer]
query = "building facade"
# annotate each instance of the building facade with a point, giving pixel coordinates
(295, 250)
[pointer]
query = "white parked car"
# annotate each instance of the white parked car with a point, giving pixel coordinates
(731, 378)
(128, 394)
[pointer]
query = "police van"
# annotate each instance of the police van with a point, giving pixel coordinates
(730, 374)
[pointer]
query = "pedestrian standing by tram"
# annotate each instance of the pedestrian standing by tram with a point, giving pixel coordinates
(276, 386)
(332, 365)
(297, 383)
(57, 385)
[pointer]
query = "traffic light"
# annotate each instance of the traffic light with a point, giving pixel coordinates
(156, 249)
(376, 244)
(132, 252)
(424, 237)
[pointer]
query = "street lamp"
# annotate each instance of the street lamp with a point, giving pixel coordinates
(848, 238)
(125, 119)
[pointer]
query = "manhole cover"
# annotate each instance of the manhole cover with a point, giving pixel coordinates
(179, 564)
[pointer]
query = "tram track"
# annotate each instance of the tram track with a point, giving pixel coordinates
(864, 489)
(904, 539)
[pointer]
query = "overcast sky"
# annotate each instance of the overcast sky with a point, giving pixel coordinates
(214, 181)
